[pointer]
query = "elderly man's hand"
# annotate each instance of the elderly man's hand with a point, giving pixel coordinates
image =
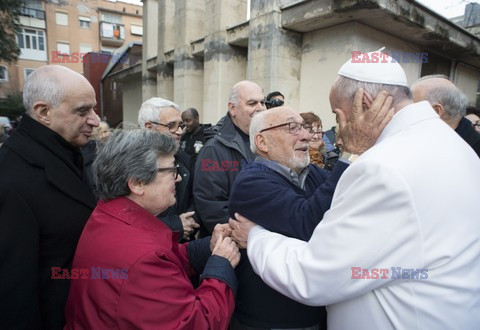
(220, 230)
(188, 223)
(240, 229)
(225, 247)
(364, 127)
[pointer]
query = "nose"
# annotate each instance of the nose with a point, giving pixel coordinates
(93, 119)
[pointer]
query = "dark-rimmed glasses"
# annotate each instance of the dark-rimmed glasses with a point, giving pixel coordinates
(293, 127)
(172, 127)
(317, 135)
(174, 171)
(476, 124)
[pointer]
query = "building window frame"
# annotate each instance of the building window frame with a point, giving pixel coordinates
(3, 73)
(85, 22)
(61, 18)
(65, 51)
(27, 71)
(29, 38)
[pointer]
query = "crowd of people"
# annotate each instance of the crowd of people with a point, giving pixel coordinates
(260, 221)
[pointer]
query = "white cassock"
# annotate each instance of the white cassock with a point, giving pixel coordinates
(411, 201)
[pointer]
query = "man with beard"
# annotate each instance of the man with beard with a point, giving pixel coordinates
(283, 193)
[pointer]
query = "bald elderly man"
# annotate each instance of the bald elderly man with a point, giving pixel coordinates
(44, 198)
(226, 150)
(284, 193)
(449, 103)
(401, 234)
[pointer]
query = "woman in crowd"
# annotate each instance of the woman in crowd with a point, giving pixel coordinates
(129, 272)
(316, 143)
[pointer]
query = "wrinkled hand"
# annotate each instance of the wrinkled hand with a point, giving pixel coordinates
(188, 223)
(365, 125)
(222, 230)
(240, 229)
(225, 247)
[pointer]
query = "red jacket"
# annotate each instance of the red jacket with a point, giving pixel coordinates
(145, 282)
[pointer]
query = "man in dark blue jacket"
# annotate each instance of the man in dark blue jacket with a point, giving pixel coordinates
(283, 193)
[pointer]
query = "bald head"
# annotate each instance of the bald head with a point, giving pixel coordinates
(277, 135)
(50, 83)
(445, 98)
(246, 98)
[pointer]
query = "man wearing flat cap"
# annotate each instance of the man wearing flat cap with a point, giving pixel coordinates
(395, 250)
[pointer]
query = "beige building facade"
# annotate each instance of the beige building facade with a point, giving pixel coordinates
(195, 50)
(61, 31)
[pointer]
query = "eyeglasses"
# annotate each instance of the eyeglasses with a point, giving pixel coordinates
(317, 135)
(477, 124)
(172, 127)
(293, 127)
(174, 171)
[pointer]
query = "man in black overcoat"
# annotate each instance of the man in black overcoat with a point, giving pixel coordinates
(44, 199)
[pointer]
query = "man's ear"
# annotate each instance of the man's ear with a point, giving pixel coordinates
(232, 109)
(148, 125)
(136, 187)
(261, 143)
(439, 109)
(42, 112)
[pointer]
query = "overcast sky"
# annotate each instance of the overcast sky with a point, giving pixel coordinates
(447, 8)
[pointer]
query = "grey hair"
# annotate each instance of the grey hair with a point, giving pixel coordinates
(129, 155)
(43, 85)
(234, 95)
(152, 108)
(258, 122)
(448, 95)
(346, 88)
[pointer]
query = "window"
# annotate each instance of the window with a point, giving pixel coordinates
(31, 39)
(61, 18)
(136, 29)
(3, 74)
(26, 72)
(63, 48)
(111, 18)
(436, 64)
(112, 31)
(84, 22)
(84, 48)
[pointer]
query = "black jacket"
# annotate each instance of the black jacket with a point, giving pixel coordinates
(192, 142)
(183, 195)
(44, 205)
(469, 134)
(217, 165)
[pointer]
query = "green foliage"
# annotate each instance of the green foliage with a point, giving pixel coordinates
(12, 106)
(9, 13)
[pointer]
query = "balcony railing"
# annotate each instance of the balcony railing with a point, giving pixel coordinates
(31, 12)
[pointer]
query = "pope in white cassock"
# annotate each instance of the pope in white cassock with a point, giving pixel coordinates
(400, 246)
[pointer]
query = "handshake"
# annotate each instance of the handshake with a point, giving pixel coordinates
(228, 238)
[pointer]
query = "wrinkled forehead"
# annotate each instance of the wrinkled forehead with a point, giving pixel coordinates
(283, 115)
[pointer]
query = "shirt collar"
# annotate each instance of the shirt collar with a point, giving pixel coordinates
(288, 173)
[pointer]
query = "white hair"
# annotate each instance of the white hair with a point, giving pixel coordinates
(259, 122)
(152, 108)
(449, 96)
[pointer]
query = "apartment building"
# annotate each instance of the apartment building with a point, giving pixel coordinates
(61, 31)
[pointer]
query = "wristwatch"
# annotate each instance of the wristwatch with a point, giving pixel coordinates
(348, 158)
